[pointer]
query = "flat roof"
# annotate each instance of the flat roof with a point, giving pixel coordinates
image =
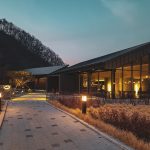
(44, 70)
(103, 59)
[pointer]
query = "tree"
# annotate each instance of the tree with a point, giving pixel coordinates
(19, 79)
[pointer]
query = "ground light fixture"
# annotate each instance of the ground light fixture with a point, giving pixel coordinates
(6, 87)
(0, 101)
(84, 105)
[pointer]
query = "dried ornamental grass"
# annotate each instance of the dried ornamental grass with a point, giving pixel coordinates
(133, 121)
(124, 136)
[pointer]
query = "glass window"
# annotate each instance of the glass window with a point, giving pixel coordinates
(136, 81)
(84, 82)
(104, 84)
(94, 82)
(127, 81)
(145, 80)
(118, 83)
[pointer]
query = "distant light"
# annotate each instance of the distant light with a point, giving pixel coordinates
(136, 88)
(109, 87)
(84, 98)
(6, 87)
(0, 95)
(100, 80)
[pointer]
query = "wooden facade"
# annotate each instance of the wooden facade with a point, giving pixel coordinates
(123, 74)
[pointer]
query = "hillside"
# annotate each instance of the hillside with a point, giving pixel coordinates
(18, 49)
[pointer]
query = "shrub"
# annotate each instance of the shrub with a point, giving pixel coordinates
(135, 119)
(125, 136)
(132, 121)
(71, 103)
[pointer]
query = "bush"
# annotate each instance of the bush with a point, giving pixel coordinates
(122, 118)
(135, 119)
(71, 103)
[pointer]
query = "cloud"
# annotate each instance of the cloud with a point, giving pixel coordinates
(124, 9)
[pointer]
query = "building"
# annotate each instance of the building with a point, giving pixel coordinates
(122, 74)
(42, 80)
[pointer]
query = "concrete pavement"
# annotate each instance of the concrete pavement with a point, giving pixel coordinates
(35, 125)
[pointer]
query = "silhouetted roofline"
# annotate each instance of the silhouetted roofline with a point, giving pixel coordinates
(103, 59)
(44, 70)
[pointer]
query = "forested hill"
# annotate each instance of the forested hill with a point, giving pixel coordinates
(20, 49)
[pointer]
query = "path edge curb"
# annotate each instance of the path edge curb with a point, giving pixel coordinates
(106, 136)
(2, 115)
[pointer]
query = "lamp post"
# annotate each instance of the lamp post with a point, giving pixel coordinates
(84, 101)
(0, 101)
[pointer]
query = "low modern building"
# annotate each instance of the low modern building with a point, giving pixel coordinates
(122, 74)
(42, 80)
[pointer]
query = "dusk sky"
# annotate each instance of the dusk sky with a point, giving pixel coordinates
(78, 30)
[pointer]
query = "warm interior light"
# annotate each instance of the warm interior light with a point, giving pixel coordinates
(100, 80)
(103, 87)
(0, 95)
(109, 87)
(85, 84)
(136, 88)
(84, 98)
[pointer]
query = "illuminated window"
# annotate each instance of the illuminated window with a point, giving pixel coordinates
(136, 81)
(118, 83)
(84, 82)
(145, 80)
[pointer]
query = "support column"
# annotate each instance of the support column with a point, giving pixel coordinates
(149, 75)
(2, 74)
(38, 81)
(132, 90)
(113, 83)
(46, 84)
(79, 83)
(98, 84)
(122, 75)
(141, 77)
(35, 83)
(59, 83)
(89, 83)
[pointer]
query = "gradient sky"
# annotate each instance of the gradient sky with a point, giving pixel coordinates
(78, 30)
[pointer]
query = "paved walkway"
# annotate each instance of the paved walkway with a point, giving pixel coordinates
(35, 125)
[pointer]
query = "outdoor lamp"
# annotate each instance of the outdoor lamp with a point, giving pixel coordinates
(84, 101)
(6, 87)
(0, 101)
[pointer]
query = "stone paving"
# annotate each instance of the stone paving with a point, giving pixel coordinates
(35, 125)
